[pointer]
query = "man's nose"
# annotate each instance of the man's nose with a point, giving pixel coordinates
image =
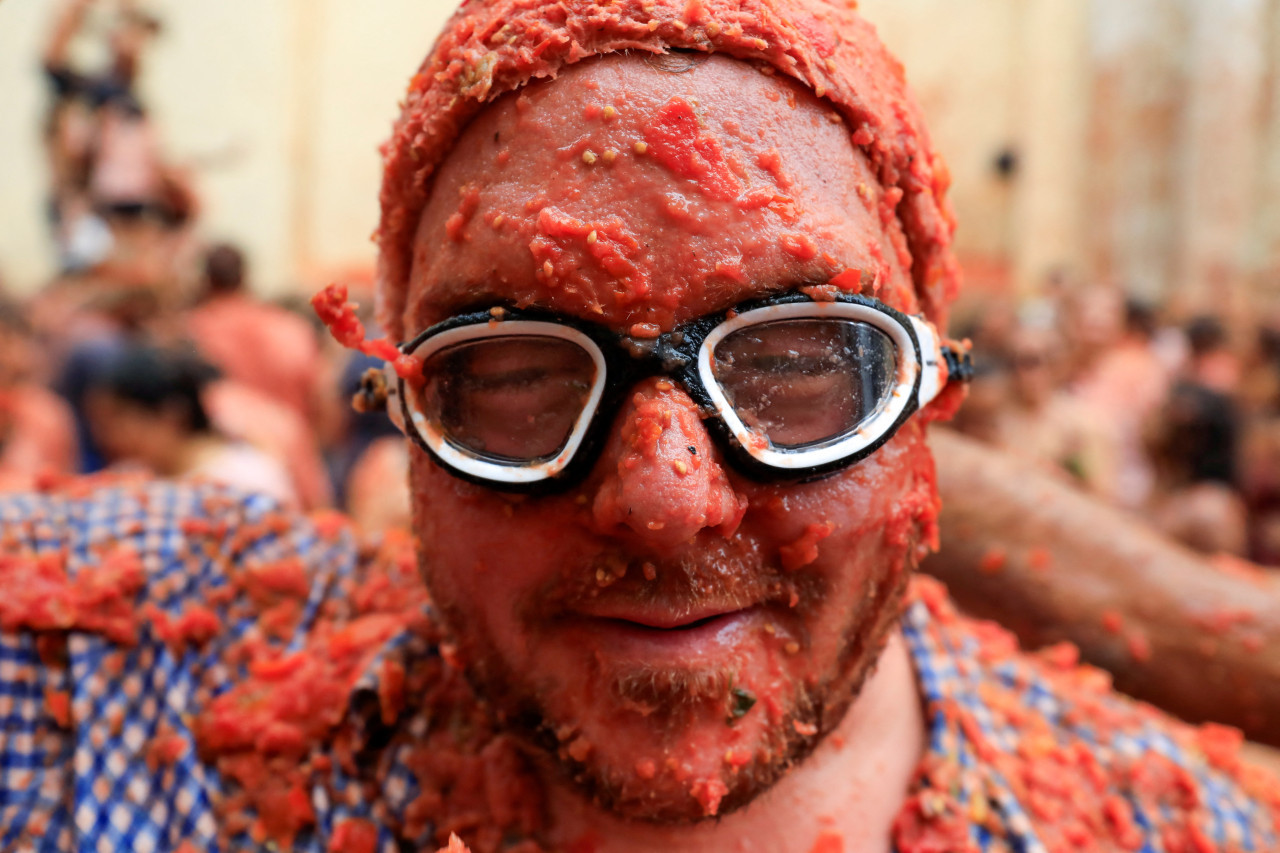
(660, 480)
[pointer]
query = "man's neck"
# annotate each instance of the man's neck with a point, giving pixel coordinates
(850, 789)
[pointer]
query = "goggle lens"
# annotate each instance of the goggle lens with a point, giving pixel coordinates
(806, 382)
(509, 399)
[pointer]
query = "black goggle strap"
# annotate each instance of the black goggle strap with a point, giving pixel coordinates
(941, 358)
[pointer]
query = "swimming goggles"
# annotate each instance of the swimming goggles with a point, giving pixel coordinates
(791, 387)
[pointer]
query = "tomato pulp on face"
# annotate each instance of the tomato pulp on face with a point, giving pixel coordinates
(673, 634)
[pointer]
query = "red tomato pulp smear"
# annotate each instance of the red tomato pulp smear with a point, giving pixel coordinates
(339, 317)
(677, 141)
(39, 596)
(272, 735)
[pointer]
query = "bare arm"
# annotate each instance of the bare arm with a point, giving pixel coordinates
(70, 20)
(1052, 564)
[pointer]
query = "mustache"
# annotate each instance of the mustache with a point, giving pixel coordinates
(730, 577)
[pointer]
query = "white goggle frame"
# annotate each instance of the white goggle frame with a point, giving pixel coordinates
(922, 363)
(923, 371)
(470, 463)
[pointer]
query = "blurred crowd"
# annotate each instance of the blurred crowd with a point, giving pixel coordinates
(1175, 419)
(150, 350)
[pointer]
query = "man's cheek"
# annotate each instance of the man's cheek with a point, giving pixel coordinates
(459, 518)
(508, 545)
(813, 521)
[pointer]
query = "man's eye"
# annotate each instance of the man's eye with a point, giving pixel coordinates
(793, 366)
(508, 397)
(519, 380)
(805, 381)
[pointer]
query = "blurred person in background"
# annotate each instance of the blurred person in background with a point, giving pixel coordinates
(1259, 472)
(1212, 362)
(115, 203)
(1259, 469)
(83, 327)
(1089, 318)
(248, 415)
(37, 429)
(146, 410)
(1194, 449)
(275, 390)
(1260, 383)
(989, 325)
(82, 106)
(374, 499)
(1044, 423)
(260, 345)
(982, 417)
(1124, 387)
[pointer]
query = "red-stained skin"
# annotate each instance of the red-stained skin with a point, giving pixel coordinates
(547, 200)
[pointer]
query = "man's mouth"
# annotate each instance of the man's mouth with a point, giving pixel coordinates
(654, 635)
(659, 618)
(685, 612)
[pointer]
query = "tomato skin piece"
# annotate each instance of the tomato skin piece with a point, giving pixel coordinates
(58, 704)
(277, 668)
(828, 842)
(339, 317)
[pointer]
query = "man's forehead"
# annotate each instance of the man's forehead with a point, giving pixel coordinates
(490, 49)
(628, 193)
(464, 297)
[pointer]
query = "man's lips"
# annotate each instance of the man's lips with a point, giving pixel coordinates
(665, 620)
(707, 601)
(654, 636)
(659, 614)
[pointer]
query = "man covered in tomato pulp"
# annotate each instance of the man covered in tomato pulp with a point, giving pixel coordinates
(668, 277)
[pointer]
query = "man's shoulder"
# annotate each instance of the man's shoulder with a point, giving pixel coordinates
(1041, 746)
(160, 643)
(111, 563)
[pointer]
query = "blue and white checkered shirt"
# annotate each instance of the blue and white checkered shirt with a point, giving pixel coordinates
(1027, 753)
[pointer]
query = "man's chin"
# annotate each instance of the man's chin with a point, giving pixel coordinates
(678, 767)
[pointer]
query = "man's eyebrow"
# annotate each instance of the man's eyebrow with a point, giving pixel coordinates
(793, 282)
(465, 299)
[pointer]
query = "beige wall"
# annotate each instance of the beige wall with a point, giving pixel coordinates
(23, 247)
(962, 67)
(1119, 112)
(996, 75)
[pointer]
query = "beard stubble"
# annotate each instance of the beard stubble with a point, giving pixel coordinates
(671, 698)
